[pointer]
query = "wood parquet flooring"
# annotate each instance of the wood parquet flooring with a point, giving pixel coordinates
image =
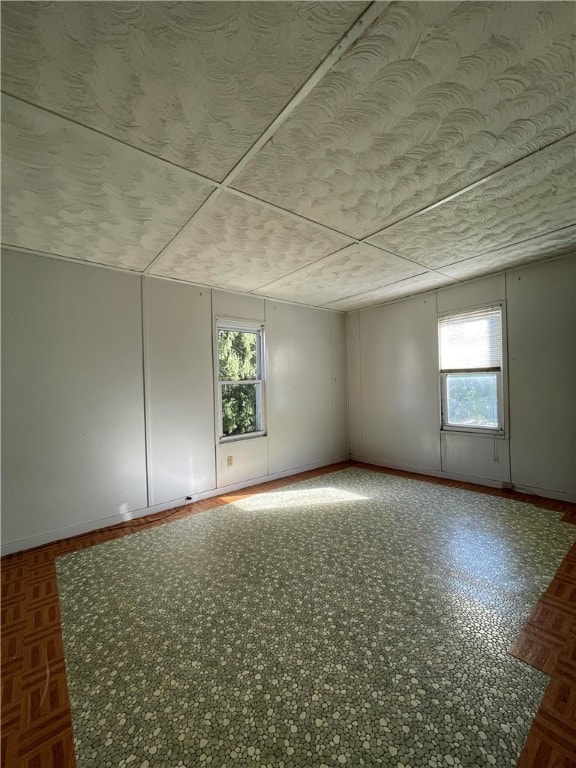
(36, 720)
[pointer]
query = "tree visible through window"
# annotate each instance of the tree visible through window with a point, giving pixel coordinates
(240, 381)
(471, 370)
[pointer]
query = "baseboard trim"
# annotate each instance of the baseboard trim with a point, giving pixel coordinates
(49, 537)
(223, 490)
(431, 472)
(545, 493)
(94, 525)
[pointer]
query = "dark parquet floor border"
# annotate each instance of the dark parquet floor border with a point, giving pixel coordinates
(36, 722)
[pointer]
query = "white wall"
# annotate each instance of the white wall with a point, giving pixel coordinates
(102, 422)
(482, 458)
(73, 448)
(393, 373)
(179, 389)
(542, 352)
(108, 396)
(399, 385)
(306, 391)
(249, 457)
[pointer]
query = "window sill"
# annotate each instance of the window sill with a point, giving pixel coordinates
(237, 438)
(479, 431)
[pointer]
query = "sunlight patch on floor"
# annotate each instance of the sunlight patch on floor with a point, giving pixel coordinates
(283, 501)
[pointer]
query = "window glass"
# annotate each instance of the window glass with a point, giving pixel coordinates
(237, 355)
(240, 381)
(239, 409)
(472, 399)
(471, 370)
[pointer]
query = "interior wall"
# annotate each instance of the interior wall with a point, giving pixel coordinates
(542, 364)
(484, 458)
(394, 383)
(240, 461)
(179, 389)
(399, 385)
(306, 390)
(73, 448)
(108, 396)
(354, 383)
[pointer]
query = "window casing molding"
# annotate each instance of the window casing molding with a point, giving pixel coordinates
(493, 371)
(256, 383)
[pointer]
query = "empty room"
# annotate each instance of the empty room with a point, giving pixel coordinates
(288, 384)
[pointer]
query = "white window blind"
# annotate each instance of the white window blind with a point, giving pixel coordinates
(471, 340)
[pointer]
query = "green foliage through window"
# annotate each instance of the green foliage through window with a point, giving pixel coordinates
(472, 400)
(237, 355)
(239, 374)
(239, 409)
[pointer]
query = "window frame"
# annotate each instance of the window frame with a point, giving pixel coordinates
(247, 326)
(500, 371)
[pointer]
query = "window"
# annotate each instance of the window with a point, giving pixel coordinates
(240, 380)
(471, 370)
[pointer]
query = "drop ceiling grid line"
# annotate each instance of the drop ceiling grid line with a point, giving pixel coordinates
(127, 270)
(369, 16)
(224, 184)
(359, 27)
(70, 259)
(372, 13)
(333, 253)
(469, 187)
(197, 176)
(221, 187)
(504, 247)
(326, 306)
(355, 240)
(299, 269)
(214, 195)
(216, 185)
(389, 285)
(292, 214)
(393, 253)
(364, 239)
(397, 299)
(208, 287)
(362, 23)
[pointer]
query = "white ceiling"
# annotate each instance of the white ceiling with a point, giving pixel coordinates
(332, 154)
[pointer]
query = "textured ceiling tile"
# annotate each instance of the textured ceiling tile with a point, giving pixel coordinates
(552, 244)
(193, 82)
(69, 191)
(236, 244)
(433, 98)
(400, 290)
(352, 270)
(535, 196)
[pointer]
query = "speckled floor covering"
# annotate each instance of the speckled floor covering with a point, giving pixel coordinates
(355, 619)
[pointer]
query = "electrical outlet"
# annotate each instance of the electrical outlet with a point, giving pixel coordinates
(229, 461)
